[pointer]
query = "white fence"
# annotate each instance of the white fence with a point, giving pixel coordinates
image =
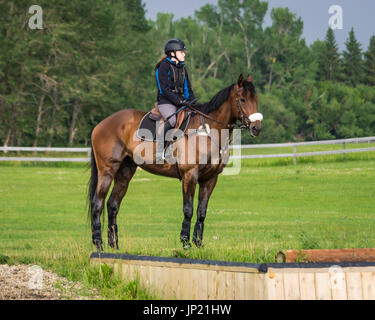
(293, 155)
(296, 154)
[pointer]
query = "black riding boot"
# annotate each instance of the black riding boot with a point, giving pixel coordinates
(160, 150)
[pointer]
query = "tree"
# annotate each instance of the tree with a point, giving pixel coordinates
(237, 30)
(287, 61)
(369, 63)
(329, 66)
(352, 60)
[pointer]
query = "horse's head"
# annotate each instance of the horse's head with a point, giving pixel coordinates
(246, 105)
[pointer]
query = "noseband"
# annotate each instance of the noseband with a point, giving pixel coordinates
(246, 120)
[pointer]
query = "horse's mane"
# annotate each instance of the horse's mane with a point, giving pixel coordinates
(223, 95)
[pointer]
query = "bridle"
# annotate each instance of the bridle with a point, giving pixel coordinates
(245, 120)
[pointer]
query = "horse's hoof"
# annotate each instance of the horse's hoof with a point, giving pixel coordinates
(98, 245)
(186, 246)
(198, 243)
(112, 244)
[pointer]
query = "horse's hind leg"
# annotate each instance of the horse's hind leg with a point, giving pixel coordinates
(122, 179)
(97, 205)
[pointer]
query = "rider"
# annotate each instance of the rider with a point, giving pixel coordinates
(174, 88)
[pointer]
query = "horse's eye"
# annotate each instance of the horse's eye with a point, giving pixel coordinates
(243, 100)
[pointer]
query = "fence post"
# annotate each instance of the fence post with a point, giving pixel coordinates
(295, 155)
(344, 147)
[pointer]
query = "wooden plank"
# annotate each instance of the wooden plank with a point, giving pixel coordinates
(153, 286)
(116, 267)
(193, 278)
(220, 285)
(186, 284)
(259, 286)
(128, 272)
(239, 286)
(140, 273)
(229, 285)
(202, 285)
(133, 273)
(254, 286)
(322, 286)
(338, 283)
(368, 285)
(291, 286)
(275, 286)
(156, 281)
(249, 286)
(307, 285)
(124, 271)
(211, 284)
(169, 283)
(179, 274)
(329, 255)
(354, 285)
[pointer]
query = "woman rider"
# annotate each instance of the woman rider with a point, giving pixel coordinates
(174, 88)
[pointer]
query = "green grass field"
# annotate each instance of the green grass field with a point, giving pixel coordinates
(272, 205)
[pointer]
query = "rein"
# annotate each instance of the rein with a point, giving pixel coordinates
(230, 126)
(244, 119)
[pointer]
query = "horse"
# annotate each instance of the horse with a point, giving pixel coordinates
(113, 151)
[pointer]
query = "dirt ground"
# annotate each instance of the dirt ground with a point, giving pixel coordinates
(28, 282)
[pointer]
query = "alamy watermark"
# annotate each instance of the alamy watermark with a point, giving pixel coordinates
(336, 21)
(337, 277)
(36, 278)
(200, 147)
(36, 20)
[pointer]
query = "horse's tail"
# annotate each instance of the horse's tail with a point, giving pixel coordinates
(93, 182)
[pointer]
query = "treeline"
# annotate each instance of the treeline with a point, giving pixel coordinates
(93, 58)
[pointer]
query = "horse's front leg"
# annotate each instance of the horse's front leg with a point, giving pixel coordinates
(189, 183)
(205, 191)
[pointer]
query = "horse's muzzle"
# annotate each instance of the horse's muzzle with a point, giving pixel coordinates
(256, 124)
(255, 129)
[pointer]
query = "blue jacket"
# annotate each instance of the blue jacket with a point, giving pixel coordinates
(171, 87)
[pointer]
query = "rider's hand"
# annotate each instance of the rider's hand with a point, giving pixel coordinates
(193, 102)
(183, 103)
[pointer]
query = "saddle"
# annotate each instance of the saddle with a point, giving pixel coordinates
(147, 127)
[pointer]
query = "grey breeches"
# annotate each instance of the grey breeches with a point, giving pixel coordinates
(166, 110)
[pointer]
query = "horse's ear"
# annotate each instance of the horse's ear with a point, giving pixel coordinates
(240, 81)
(249, 78)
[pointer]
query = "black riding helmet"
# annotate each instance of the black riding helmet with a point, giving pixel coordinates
(174, 45)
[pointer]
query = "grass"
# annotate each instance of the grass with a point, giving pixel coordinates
(322, 202)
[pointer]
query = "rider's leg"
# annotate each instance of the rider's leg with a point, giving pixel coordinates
(166, 110)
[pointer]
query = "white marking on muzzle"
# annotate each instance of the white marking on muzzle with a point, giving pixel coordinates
(256, 117)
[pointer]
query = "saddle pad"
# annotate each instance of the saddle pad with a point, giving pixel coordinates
(148, 124)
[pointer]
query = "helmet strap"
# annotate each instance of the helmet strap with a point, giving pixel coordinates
(175, 56)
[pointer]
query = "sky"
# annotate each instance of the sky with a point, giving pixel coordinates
(359, 14)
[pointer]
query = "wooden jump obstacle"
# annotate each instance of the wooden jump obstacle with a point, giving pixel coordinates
(187, 279)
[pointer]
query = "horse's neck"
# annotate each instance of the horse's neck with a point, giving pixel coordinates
(224, 115)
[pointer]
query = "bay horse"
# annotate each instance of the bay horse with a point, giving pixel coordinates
(113, 146)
